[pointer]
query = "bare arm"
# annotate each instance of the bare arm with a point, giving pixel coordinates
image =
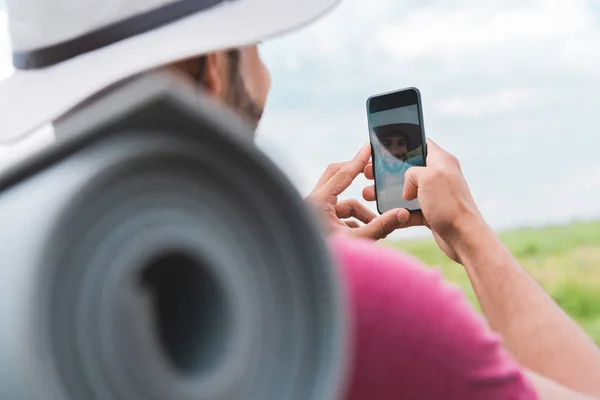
(535, 329)
(550, 390)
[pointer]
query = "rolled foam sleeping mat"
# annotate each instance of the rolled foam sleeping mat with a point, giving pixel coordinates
(162, 265)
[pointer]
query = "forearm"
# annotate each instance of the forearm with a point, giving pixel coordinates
(535, 330)
(550, 390)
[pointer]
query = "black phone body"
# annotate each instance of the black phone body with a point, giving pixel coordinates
(397, 137)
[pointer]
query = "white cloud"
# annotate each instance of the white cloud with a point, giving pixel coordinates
(505, 100)
(438, 30)
(582, 54)
(583, 180)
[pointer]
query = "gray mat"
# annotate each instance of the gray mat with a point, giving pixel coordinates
(152, 265)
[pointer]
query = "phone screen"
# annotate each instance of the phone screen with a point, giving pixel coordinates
(397, 139)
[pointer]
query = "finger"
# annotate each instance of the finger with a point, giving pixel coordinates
(368, 172)
(411, 183)
(369, 193)
(431, 144)
(416, 218)
(434, 151)
(382, 226)
(330, 171)
(352, 224)
(424, 221)
(354, 209)
(346, 175)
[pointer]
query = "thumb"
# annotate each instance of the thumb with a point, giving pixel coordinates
(431, 144)
(411, 183)
(385, 224)
(434, 151)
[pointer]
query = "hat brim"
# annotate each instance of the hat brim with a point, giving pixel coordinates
(411, 132)
(31, 99)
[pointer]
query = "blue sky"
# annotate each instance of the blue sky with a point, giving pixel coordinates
(512, 88)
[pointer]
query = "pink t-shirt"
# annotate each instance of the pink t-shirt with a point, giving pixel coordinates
(416, 337)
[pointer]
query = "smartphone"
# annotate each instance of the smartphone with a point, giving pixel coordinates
(398, 143)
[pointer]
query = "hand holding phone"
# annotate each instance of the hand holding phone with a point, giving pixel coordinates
(398, 143)
(344, 216)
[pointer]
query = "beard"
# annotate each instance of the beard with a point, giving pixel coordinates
(397, 157)
(238, 97)
(251, 111)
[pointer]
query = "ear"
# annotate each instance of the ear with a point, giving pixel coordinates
(214, 73)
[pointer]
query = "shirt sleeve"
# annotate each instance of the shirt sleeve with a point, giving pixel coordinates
(417, 337)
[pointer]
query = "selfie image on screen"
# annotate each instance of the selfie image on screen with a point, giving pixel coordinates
(397, 145)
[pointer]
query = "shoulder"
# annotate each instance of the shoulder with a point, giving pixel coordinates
(416, 335)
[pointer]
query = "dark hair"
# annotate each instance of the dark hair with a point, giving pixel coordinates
(201, 70)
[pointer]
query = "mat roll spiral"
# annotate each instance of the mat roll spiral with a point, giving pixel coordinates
(158, 255)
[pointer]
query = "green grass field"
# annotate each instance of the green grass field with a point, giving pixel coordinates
(565, 260)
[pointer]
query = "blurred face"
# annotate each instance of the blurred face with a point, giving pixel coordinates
(396, 145)
(238, 78)
(252, 89)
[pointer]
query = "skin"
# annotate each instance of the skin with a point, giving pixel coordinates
(396, 145)
(560, 359)
(246, 92)
(554, 350)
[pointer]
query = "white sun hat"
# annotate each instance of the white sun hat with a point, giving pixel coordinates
(67, 50)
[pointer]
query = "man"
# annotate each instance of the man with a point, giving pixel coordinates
(414, 337)
(392, 147)
(399, 140)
